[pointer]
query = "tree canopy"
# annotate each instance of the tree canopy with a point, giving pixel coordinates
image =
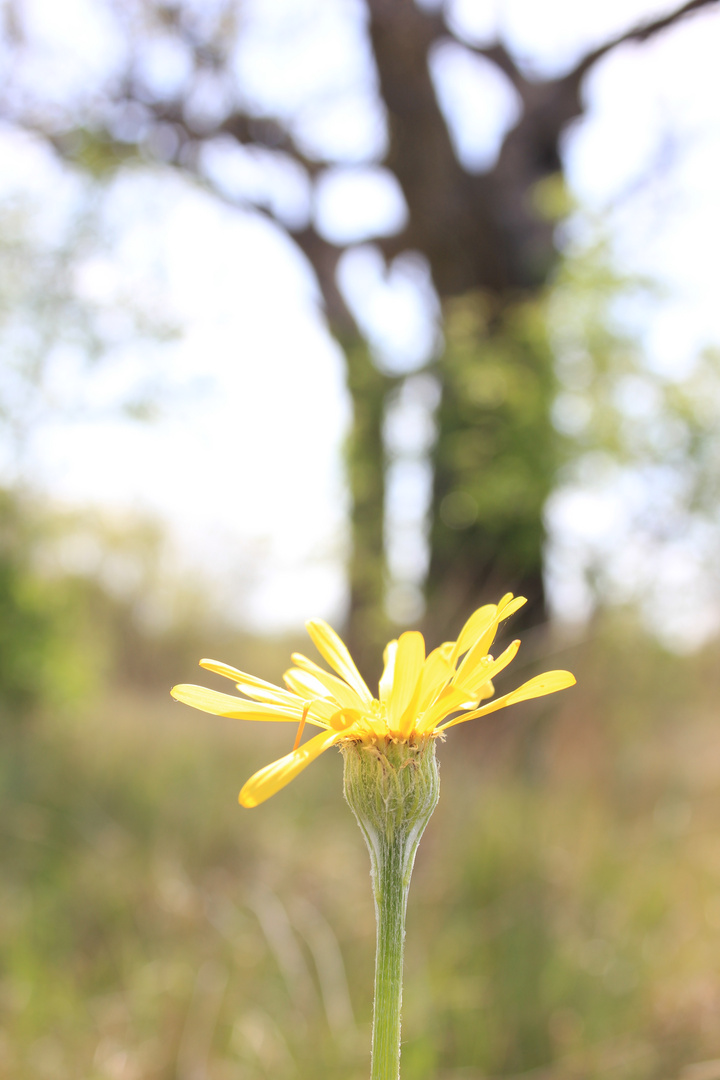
(179, 90)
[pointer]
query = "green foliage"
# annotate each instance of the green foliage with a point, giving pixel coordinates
(89, 600)
(40, 662)
(54, 327)
(641, 437)
(612, 399)
(365, 469)
(95, 152)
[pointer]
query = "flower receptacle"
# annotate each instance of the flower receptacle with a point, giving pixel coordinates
(392, 787)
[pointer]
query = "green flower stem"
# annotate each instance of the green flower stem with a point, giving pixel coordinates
(390, 885)
(392, 789)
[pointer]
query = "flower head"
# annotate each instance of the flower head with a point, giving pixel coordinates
(419, 696)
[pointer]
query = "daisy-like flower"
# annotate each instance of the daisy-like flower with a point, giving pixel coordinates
(391, 780)
(419, 696)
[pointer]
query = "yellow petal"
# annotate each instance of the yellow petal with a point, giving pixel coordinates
(449, 701)
(322, 704)
(486, 691)
(272, 778)
(479, 648)
(508, 606)
(211, 701)
(339, 690)
(479, 631)
(333, 649)
(477, 624)
(485, 669)
(386, 679)
(250, 685)
(548, 683)
(436, 673)
(409, 662)
(306, 686)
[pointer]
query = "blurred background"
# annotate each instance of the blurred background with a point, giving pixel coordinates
(369, 310)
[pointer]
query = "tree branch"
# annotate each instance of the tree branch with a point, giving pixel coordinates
(499, 55)
(640, 33)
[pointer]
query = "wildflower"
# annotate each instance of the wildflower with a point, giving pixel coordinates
(419, 696)
(391, 780)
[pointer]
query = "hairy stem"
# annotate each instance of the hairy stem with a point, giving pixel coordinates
(392, 789)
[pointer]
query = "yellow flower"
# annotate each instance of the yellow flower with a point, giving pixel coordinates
(419, 697)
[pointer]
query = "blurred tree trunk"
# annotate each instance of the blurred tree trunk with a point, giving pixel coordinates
(490, 249)
(365, 471)
(494, 458)
(490, 244)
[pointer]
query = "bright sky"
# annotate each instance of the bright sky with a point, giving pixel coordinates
(244, 462)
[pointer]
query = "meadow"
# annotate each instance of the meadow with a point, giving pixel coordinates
(564, 918)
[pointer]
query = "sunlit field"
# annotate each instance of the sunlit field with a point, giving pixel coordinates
(564, 920)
